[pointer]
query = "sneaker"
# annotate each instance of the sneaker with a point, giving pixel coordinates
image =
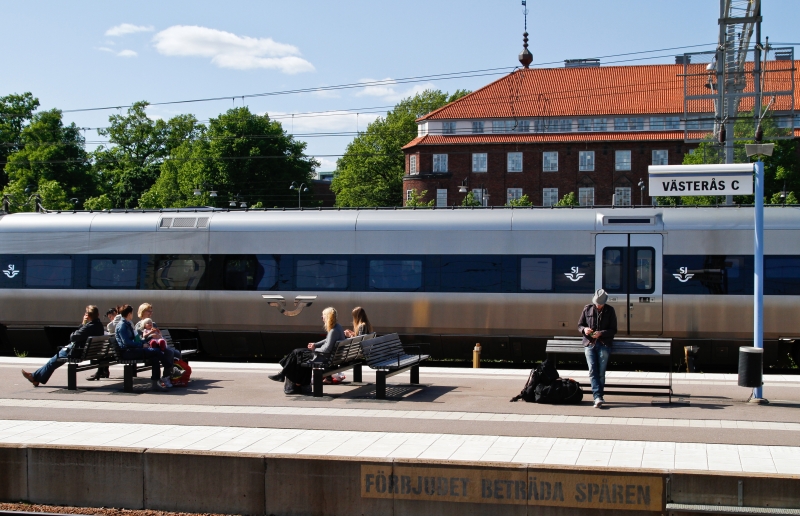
(159, 386)
(598, 402)
(28, 376)
(166, 381)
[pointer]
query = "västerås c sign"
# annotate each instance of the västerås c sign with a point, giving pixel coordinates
(695, 180)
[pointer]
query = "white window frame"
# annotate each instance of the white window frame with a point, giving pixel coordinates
(441, 197)
(478, 159)
(549, 196)
(514, 162)
(502, 126)
(599, 125)
(513, 194)
(477, 127)
(412, 165)
(448, 128)
(622, 196)
(586, 161)
(408, 195)
(440, 164)
(636, 124)
(672, 123)
(658, 159)
(523, 126)
(657, 123)
(620, 124)
(584, 125)
(565, 125)
(586, 196)
(620, 161)
(550, 161)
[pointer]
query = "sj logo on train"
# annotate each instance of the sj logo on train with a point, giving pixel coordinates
(513, 486)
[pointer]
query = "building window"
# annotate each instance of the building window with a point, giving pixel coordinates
(515, 162)
(660, 157)
(440, 163)
(586, 161)
(409, 195)
(503, 126)
(512, 194)
(636, 124)
(479, 162)
(481, 195)
(524, 126)
(441, 197)
(448, 128)
(622, 196)
(622, 160)
(565, 125)
(477, 127)
(620, 124)
(540, 126)
(549, 196)
(584, 124)
(701, 123)
(656, 123)
(586, 196)
(672, 123)
(599, 124)
(550, 161)
(412, 165)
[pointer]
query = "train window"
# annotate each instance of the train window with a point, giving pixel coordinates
(267, 274)
(51, 272)
(113, 273)
(573, 274)
(710, 274)
(536, 274)
(240, 273)
(179, 272)
(322, 274)
(613, 270)
(782, 275)
(395, 274)
(644, 273)
(471, 274)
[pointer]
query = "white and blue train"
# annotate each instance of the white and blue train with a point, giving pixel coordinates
(508, 278)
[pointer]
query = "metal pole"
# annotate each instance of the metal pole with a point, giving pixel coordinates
(758, 267)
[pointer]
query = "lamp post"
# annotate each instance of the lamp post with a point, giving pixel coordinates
(300, 190)
(237, 199)
(641, 186)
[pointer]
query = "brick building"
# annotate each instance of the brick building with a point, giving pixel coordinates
(543, 133)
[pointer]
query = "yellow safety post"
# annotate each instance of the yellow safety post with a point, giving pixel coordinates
(476, 356)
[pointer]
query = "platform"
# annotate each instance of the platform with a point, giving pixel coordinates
(457, 418)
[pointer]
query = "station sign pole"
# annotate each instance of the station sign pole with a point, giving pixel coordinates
(758, 268)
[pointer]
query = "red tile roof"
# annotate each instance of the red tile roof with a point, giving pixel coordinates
(477, 139)
(597, 91)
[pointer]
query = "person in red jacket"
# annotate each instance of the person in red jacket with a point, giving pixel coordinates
(598, 326)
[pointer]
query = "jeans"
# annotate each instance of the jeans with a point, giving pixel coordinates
(157, 356)
(597, 358)
(44, 373)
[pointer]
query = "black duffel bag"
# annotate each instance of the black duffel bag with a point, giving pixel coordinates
(563, 391)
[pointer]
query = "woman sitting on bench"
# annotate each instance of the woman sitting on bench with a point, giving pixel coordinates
(133, 349)
(293, 375)
(361, 325)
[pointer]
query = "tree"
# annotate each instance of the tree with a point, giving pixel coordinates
(522, 201)
(416, 200)
(140, 145)
(240, 156)
(569, 199)
(470, 200)
(15, 112)
(370, 173)
(52, 162)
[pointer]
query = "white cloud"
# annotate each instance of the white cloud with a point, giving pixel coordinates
(326, 164)
(228, 50)
(127, 53)
(128, 28)
(329, 122)
(387, 89)
(104, 49)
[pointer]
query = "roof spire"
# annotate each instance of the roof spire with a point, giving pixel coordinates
(525, 57)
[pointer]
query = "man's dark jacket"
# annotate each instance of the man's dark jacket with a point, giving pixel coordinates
(93, 328)
(605, 322)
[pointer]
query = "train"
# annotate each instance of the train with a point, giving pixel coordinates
(252, 283)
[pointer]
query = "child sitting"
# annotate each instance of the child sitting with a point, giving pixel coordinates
(152, 335)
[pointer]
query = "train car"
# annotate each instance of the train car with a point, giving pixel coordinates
(507, 278)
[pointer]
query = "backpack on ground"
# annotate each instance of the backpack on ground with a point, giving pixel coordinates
(545, 373)
(181, 372)
(563, 391)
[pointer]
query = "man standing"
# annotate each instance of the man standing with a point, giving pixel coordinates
(91, 327)
(598, 325)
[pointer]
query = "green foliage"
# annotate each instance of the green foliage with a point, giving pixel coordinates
(15, 112)
(470, 200)
(239, 154)
(416, 199)
(370, 173)
(101, 202)
(569, 199)
(522, 201)
(52, 162)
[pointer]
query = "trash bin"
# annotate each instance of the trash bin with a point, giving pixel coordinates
(751, 366)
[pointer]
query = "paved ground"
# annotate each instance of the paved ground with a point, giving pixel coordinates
(456, 414)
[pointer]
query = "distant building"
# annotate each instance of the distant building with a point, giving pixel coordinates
(588, 129)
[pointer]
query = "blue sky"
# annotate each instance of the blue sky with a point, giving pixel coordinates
(86, 54)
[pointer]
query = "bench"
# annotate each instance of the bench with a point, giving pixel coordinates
(180, 344)
(659, 348)
(132, 367)
(346, 355)
(388, 357)
(100, 350)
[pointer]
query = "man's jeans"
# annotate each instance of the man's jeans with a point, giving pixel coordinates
(597, 358)
(44, 373)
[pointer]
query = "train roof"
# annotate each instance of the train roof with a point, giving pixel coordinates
(496, 219)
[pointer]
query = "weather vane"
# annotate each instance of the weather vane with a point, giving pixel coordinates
(525, 12)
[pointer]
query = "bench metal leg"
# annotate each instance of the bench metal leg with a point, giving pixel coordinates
(72, 377)
(317, 381)
(415, 374)
(357, 374)
(380, 385)
(134, 372)
(127, 382)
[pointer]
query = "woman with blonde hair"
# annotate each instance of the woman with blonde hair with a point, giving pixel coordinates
(361, 324)
(295, 377)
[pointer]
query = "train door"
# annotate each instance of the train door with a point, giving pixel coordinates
(629, 268)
